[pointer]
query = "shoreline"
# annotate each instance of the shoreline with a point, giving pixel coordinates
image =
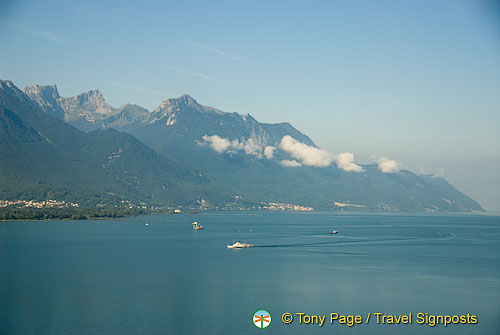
(48, 214)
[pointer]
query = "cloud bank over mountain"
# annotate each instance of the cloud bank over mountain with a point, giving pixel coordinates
(302, 154)
(387, 165)
(290, 163)
(250, 146)
(217, 143)
(306, 154)
(345, 161)
(269, 151)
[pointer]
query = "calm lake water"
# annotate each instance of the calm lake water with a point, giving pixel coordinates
(123, 277)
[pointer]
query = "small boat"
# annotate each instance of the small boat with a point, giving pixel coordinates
(335, 232)
(239, 245)
(197, 226)
(147, 224)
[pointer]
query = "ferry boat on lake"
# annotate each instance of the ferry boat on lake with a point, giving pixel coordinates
(239, 245)
(197, 226)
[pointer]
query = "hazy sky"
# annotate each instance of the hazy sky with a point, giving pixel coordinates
(416, 81)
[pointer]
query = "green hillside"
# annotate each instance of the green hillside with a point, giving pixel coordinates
(45, 158)
(166, 158)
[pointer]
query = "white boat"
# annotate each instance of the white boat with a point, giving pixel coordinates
(197, 226)
(335, 232)
(239, 245)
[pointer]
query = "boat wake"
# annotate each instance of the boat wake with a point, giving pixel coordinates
(438, 236)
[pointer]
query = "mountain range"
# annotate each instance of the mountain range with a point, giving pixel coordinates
(187, 154)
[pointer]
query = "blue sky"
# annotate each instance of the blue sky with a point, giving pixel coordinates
(416, 81)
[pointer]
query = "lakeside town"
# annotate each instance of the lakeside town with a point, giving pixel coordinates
(59, 209)
(37, 204)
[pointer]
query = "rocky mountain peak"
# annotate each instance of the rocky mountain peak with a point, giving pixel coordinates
(182, 104)
(92, 96)
(47, 97)
(4, 84)
(45, 92)
(86, 106)
(178, 103)
(187, 100)
(8, 88)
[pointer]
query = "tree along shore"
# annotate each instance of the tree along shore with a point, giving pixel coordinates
(17, 213)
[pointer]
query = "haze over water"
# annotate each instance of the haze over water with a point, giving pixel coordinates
(123, 277)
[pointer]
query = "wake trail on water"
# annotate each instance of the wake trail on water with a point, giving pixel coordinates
(362, 241)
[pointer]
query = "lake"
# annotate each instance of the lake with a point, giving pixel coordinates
(123, 277)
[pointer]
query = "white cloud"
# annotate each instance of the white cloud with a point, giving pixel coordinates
(269, 151)
(345, 161)
(387, 165)
(215, 50)
(220, 144)
(303, 154)
(134, 88)
(288, 163)
(250, 146)
(181, 70)
(307, 154)
(217, 143)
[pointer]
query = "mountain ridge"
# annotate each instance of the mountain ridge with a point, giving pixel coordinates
(46, 158)
(87, 120)
(248, 163)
